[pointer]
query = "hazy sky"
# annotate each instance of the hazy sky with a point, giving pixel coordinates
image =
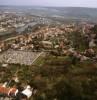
(75, 3)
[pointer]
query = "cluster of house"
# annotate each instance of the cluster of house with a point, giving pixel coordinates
(16, 92)
(90, 37)
(11, 21)
(50, 38)
(88, 54)
(44, 37)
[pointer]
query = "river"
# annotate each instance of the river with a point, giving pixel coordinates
(20, 29)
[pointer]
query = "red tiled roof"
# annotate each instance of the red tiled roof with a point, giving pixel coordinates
(5, 91)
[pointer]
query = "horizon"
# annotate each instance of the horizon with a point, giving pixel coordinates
(50, 3)
(48, 6)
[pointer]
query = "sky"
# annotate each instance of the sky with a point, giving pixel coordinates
(63, 3)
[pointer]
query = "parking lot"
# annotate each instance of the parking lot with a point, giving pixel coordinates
(19, 57)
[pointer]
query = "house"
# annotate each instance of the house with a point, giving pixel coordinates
(47, 44)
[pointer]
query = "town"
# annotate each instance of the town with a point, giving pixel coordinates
(43, 52)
